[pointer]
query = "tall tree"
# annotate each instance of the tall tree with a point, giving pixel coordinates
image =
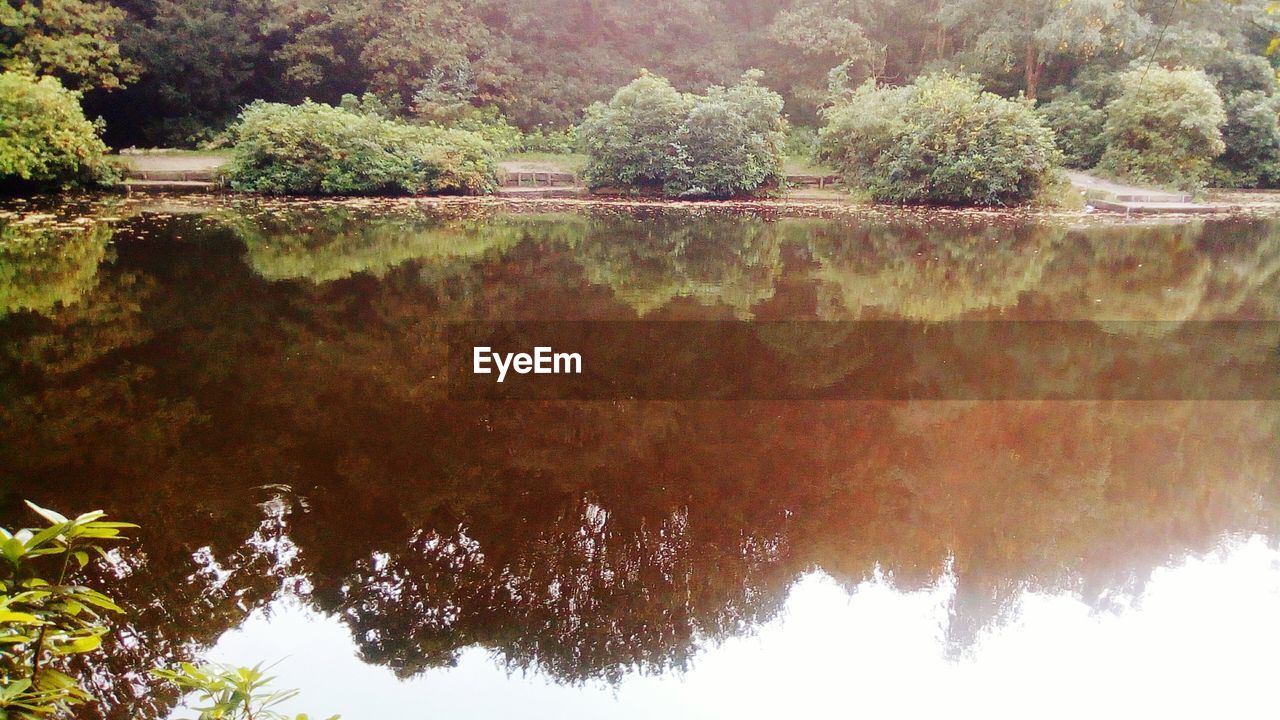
(1031, 36)
(392, 47)
(202, 60)
(817, 42)
(73, 40)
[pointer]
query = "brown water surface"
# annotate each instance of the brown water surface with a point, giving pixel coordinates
(261, 387)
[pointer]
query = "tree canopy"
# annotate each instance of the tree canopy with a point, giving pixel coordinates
(187, 66)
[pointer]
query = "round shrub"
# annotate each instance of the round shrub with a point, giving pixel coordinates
(941, 139)
(317, 149)
(1165, 127)
(732, 141)
(652, 137)
(45, 140)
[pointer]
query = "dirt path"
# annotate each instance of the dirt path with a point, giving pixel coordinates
(1131, 199)
(1087, 182)
(175, 163)
(184, 167)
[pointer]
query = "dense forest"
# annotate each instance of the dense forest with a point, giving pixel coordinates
(177, 71)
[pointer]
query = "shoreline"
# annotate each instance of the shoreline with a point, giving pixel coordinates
(1263, 204)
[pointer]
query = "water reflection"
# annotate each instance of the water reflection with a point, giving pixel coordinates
(46, 266)
(258, 388)
(879, 642)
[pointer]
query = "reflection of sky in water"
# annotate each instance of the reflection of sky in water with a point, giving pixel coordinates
(1201, 641)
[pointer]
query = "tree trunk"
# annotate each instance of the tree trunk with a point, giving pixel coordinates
(1034, 69)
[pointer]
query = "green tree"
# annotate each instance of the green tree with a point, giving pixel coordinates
(201, 62)
(1165, 127)
(1247, 84)
(1035, 37)
(73, 40)
(391, 47)
(1251, 137)
(817, 39)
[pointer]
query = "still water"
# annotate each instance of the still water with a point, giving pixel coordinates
(261, 387)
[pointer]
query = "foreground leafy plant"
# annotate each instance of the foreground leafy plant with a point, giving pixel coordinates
(231, 693)
(42, 621)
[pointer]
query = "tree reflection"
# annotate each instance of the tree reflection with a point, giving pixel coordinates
(44, 264)
(659, 256)
(267, 412)
(931, 271)
(325, 243)
(1168, 273)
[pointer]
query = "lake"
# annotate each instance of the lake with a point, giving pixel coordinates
(264, 387)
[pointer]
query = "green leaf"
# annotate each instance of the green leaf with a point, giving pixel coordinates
(97, 599)
(78, 646)
(16, 617)
(46, 535)
(13, 550)
(47, 514)
(15, 688)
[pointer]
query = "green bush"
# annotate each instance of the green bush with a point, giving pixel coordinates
(801, 142)
(1077, 128)
(652, 137)
(1235, 73)
(1252, 140)
(563, 141)
(492, 127)
(45, 140)
(1165, 128)
(941, 140)
(507, 138)
(1247, 84)
(317, 149)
